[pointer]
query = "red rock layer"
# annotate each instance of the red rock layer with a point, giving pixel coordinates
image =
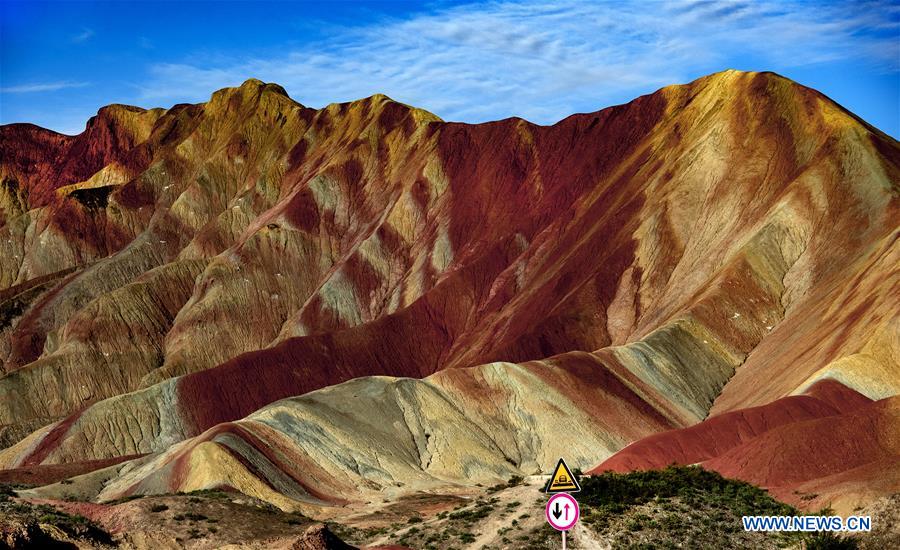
(719, 434)
(45, 475)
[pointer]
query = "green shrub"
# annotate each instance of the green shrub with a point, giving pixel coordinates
(830, 541)
(614, 493)
(123, 500)
(208, 493)
(515, 480)
(685, 502)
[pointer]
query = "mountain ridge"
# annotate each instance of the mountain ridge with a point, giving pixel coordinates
(698, 243)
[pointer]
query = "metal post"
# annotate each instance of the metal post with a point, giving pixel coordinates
(564, 540)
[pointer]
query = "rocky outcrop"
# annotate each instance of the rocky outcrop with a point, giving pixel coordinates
(318, 537)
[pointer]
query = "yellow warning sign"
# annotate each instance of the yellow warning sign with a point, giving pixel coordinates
(562, 480)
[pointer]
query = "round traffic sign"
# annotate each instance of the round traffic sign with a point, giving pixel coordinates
(562, 511)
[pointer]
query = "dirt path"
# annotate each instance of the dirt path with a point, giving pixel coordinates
(509, 518)
(528, 515)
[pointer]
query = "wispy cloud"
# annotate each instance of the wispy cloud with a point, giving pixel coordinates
(41, 87)
(83, 36)
(543, 61)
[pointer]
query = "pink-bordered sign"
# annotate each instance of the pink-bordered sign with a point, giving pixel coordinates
(562, 511)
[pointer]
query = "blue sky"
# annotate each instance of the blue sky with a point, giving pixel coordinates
(473, 62)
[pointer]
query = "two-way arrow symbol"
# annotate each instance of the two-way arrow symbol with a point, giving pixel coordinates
(557, 512)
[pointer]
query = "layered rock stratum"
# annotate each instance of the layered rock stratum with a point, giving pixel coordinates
(321, 307)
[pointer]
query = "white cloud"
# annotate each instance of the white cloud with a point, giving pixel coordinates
(41, 87)
(83, 36)
(543, 61)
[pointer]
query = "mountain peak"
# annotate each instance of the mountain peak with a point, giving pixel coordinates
(256, 84)
(250, 90)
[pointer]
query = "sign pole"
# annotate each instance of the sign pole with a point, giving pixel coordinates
(564, 540)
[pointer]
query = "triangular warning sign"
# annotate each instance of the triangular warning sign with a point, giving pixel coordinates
(562, 480)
